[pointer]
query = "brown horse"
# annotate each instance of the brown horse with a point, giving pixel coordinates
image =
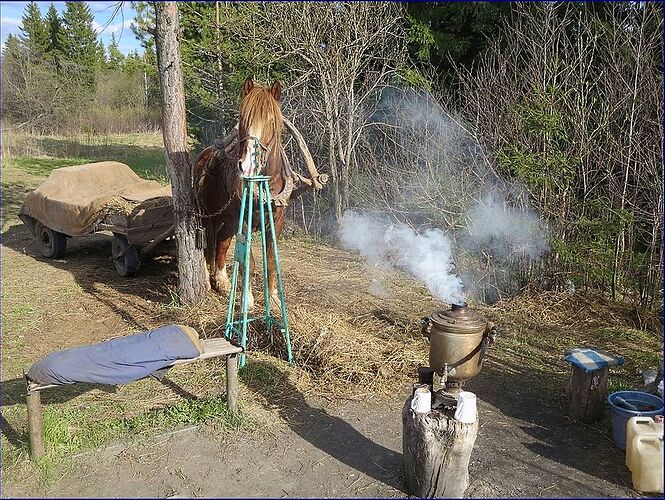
(218, 172)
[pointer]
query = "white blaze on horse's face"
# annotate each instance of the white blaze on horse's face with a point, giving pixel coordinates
(250, 162)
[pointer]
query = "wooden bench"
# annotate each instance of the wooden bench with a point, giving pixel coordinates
(212, 348)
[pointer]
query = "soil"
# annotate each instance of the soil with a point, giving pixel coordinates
(526, 446)
(348, 449)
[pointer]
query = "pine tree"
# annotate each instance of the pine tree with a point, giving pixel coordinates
(54, 27)
(12, 48)
(101, 55)
(116, 57)
(34, 28)
(78, 37)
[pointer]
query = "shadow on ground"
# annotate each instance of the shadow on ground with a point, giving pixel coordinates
(331, 434)
(88, 259)
(14, 393)
(537, 398)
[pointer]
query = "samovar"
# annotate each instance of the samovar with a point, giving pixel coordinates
(458, 339)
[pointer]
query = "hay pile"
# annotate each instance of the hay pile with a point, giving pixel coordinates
(344, 339)
(577, 311)
(348, 342)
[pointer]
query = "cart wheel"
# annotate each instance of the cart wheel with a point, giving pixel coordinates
(52, 244)
(124, 256)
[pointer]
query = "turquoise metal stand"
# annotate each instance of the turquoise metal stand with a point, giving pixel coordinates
(242, 257)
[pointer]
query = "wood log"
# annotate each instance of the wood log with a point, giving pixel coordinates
(232, 382)
(35, 425)
(586, 394)
(436, 451)
(307, 184)
(307, 156)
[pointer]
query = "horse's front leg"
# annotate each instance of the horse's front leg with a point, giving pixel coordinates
(279, 215)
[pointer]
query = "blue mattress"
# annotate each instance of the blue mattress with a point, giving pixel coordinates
(117, 361)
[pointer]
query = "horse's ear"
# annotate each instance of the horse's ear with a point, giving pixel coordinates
(247, 86)
(276, 90)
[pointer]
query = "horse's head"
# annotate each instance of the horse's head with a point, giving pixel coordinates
(260, 126)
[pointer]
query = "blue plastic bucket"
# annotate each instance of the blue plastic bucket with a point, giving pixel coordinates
(648, 404)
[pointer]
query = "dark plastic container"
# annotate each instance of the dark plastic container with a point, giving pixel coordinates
(647, 404)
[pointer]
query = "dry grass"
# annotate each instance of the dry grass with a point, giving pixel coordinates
(348, 342)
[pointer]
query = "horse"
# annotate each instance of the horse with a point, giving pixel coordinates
(217, 173)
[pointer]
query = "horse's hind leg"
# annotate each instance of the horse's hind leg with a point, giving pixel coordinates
(210, 251)
(221, 281)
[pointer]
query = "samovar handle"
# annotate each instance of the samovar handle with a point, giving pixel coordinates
(426, 326)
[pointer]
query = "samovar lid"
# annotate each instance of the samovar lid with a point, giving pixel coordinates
(459, 319)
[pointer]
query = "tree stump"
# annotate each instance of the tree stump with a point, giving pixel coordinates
(587, 392)
(436, 451)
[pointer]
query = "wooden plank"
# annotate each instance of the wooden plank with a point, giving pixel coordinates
(102, 226)
(212, 348)
(150, 246)
(142, 216)
(144, 234)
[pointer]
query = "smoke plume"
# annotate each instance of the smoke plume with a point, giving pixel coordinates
(427, 256)
(436, 175)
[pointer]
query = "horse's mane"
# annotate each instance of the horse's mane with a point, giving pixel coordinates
(258, 108)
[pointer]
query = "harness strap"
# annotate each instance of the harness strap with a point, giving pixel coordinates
(263, 146)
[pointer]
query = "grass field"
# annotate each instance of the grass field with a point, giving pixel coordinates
(346, 341)
(38, 155)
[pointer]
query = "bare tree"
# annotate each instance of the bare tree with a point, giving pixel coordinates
(340, 55)
(193, 281)
(578, 117)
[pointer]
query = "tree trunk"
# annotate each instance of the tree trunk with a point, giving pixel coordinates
(193, 282)
(587, 393)
(436, 450)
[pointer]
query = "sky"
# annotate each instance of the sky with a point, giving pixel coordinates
(12, 12)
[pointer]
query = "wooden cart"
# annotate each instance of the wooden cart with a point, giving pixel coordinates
(146, 219)
(147, 227)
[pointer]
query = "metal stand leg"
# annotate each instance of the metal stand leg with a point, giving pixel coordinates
(242, 257)
(280, 284)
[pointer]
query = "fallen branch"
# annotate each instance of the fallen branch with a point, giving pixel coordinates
(306, 184)
(317, 180)
(307, 156)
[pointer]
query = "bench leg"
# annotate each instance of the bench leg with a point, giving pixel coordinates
(232, 382)
(35, 426)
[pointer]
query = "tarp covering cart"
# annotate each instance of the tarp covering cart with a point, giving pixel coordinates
(103, 196)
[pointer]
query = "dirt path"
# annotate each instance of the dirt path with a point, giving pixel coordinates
(347, 448)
